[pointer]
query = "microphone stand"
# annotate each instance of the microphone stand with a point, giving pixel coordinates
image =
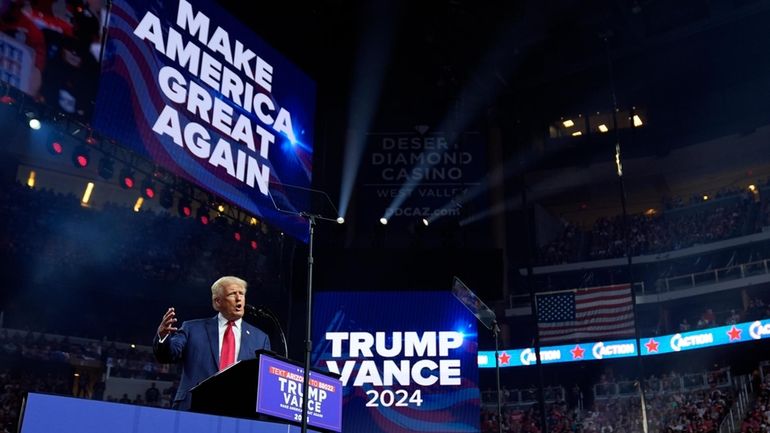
(309, 311)
(265, 312)
(496, 332)
(311, 220)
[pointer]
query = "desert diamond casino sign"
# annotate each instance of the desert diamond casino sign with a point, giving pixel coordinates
(188, 86)
(402, 369)
(442, 167)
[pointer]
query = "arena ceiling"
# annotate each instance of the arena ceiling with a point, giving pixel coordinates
(697, 69)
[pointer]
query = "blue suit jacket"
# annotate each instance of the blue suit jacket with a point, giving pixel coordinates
(196, 347)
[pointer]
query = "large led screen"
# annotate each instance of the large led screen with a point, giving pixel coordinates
(407, 360)
(51, 50)
(188, 86)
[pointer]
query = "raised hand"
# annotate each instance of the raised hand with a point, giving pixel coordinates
(167, 325)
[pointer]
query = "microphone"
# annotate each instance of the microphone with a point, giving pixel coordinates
(258, 311)
(262, 311)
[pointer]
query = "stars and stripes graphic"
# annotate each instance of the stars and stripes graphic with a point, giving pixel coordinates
(591, 313)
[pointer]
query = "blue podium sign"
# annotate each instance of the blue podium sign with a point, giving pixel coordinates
(279, 394)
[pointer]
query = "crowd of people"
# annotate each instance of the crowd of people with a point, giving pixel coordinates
(42, 363)
(729, 216)
(757, 418)
(128, 362)
(14, 384)
(672, 405)
(755, 309)
(153, 396)
(62, 235)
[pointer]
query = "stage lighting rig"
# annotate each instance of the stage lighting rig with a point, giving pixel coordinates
(166, 197)
(106, 168)
(33, 120)
(203, 214)
(127, 178)
(81, 156)
(184, 208)
(55, 147)
(148, 187)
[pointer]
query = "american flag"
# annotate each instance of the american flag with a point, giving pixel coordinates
(590, 313)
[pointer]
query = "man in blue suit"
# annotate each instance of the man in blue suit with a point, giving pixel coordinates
(198, 345)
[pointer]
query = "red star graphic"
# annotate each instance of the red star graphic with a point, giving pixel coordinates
(652, 345)
(504, 358)
(577, 352)
(734, 333)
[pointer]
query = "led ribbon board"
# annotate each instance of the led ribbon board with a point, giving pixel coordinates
(710, 337)
(558, 354)
(699, 339)
(407, 360)
(190, 87)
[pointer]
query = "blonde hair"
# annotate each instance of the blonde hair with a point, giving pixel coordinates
(221, 283)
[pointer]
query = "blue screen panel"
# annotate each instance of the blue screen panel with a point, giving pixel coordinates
(408, 360)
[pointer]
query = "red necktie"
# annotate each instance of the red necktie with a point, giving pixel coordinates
(227, 356)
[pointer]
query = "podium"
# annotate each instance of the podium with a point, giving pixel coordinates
(269, 388)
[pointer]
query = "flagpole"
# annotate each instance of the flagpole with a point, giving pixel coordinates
(628, 252)
(533, 304)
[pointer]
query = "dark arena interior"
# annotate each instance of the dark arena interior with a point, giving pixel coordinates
(544, 153)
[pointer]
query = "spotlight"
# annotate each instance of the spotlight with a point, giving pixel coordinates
(7, 99)
(106, 168)
(148, 188)
(203, 214)
(127, 178)
(340, 220)
(33, 121)
(166, 197)
(425, 222)
(90, 139)
(384, 221)
(254, 245)
(87, 194)
(81, 156)
(55, 148)
(184, 208)
(237, 236)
